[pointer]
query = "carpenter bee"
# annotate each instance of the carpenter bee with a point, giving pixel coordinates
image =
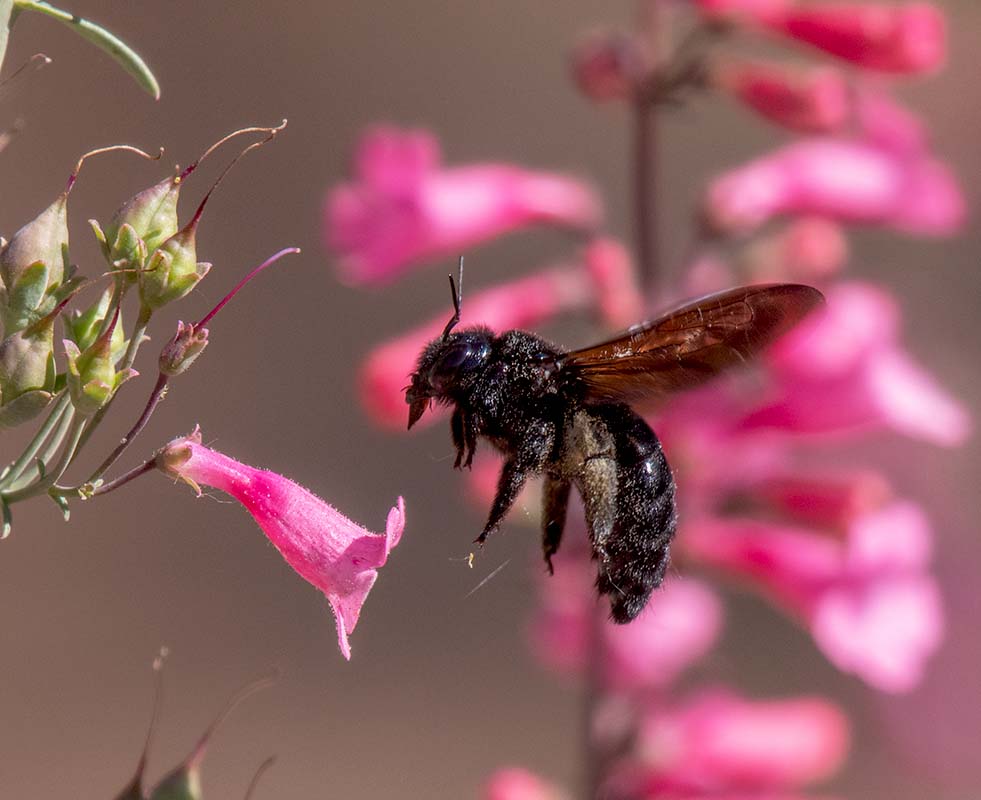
(567, 416)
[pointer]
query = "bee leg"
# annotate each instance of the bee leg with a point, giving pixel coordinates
(470, 438)
(555, 495)
(513, 477)
(457, 427)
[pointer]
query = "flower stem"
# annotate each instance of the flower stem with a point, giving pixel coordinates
(594, 762)
(159, 390)
(51, 478)
(644, 191)
(122, 480)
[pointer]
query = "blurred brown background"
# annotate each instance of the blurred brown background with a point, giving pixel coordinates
(441, 689)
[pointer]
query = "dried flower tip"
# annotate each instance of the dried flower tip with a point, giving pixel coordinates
(272, 131)
(609, 65)
(183, 349)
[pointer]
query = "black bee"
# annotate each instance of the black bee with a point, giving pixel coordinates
(566, 415)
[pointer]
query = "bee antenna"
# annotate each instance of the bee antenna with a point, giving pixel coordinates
(456, 290)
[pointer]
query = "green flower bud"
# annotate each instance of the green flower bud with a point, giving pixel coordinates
(152, 216)
(83, 326)
(181, 351)
(42, 240)
(92, 378)
(173, 270)
(27, 373)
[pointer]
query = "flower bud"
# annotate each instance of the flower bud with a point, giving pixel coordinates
(27, 373)
(608, 66)
(182, 350)
(83, 326)
(173, 270)
(150, 215)
(92, 377)
(44, 240)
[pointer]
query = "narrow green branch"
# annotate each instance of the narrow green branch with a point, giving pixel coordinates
(51, 477)
(111, 44)
(15, 470)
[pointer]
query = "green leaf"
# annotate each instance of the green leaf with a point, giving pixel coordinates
(7, 16)
(127, 58)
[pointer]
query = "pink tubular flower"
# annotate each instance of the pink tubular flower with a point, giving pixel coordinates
(868, 599)
(721, 743)
(402, 207)
(605, 282)
(515, 783)
(811, 100)
(847, 180)
(843, 369)
(890, 37)
(326, 548)
(679, 626)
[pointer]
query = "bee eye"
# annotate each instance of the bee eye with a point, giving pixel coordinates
(461, 355)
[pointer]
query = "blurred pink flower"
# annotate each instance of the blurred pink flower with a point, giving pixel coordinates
(867, 598)
(515, 783)
(742, 10)
(812, 100)
(677, 628)
(849, 180)
(326, 548)
(808, 250)
(843, 369)
(828, 499)
(721, 744)
(617, 294)
(605, 282)
(887, 124)
(402, 207)
(890, 37)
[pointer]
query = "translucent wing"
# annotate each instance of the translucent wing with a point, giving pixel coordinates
(690, 344)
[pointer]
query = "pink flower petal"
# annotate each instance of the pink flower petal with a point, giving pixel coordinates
(516, 783)
(807, 101)
(890, 37)
(403, 208)
(327, 549)
(719, 742)
(847, 180)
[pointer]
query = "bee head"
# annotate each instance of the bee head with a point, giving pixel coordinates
(446, 368)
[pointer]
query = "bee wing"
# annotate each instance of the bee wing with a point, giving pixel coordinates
(690, 344)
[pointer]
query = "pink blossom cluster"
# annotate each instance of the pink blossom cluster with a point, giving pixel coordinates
(763, 506)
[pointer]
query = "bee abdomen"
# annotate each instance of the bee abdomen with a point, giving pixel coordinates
(636, 552)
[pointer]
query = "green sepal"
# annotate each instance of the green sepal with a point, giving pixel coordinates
(172, 271)
(129, 252)
(100, 235)
(21, 303)
(92, 378)
(83, 326)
